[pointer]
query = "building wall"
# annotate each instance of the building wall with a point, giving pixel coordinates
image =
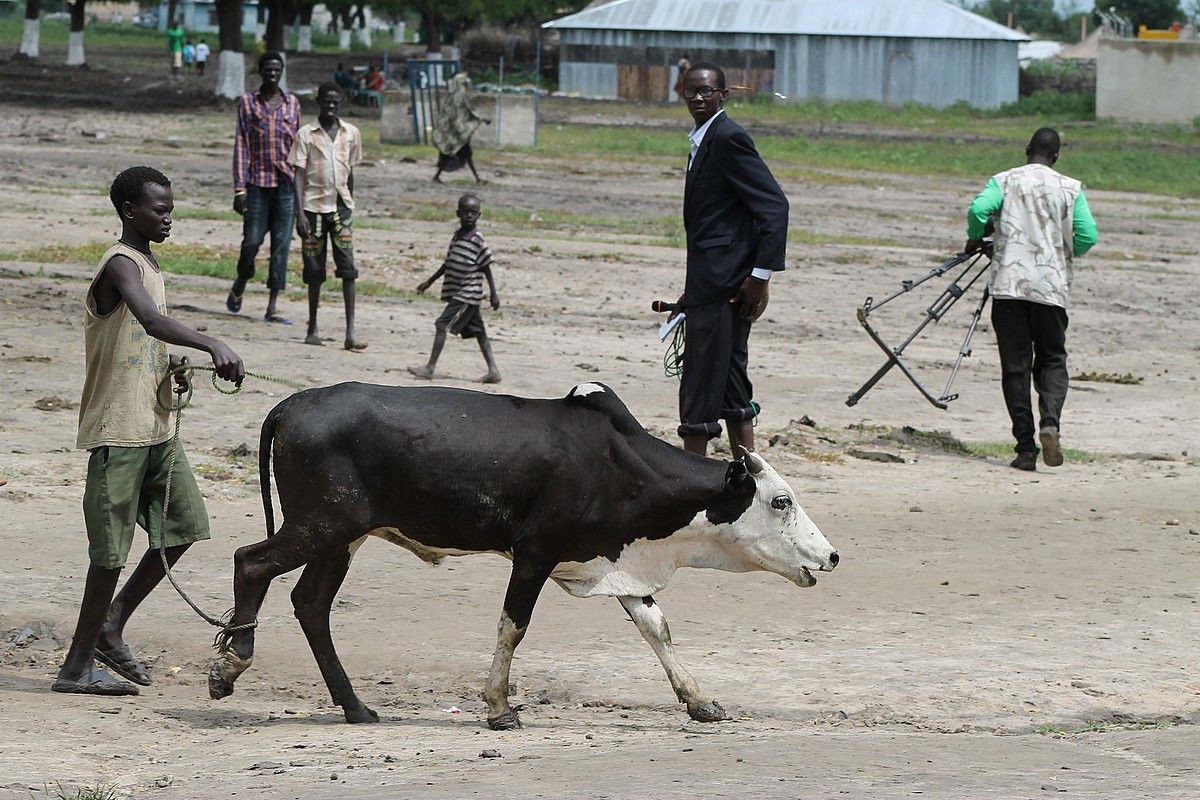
(937, 72)
(1148, 81)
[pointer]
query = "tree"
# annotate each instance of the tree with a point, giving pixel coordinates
(231, 64)
(304, 34)
(1158, 14)
(75, 57)
(1032, 16)
(31, 34)
(277, 12)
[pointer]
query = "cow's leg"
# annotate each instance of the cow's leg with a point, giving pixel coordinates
(254, 567)
(650, 620)
(312, 599)
(523, 588)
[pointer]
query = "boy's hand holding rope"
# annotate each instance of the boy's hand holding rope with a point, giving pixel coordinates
(182, 374)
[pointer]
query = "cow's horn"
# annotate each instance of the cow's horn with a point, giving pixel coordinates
(754, 464)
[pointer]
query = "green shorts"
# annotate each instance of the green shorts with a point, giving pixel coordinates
(125, 487)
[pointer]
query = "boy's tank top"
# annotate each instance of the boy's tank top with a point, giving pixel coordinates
(125, 365)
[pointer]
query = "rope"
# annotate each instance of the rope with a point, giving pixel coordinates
(185, 399)
(673, 358)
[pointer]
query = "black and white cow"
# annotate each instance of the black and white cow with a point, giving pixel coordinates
(571, 490)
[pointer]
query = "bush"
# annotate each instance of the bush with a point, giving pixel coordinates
(1052, 103)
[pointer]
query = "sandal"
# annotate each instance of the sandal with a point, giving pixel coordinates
(234, 303)
(96, 682)
(121, 661)
(278, 319)
(355, 345)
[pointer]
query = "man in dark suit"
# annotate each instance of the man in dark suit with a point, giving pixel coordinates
(736, 218)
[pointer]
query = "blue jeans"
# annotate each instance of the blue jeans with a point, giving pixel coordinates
(268, 208)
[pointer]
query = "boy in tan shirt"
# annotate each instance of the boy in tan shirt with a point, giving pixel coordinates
(125, 422)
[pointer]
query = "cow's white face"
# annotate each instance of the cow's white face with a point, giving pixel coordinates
(774, 533)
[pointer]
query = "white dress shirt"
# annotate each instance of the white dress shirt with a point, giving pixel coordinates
(696, 138)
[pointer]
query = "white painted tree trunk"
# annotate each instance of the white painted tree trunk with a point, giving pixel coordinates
(304, 39)
(343, 39)
(30, 38)
(398, 32)
(231, 74)
(260, 32)
(364, 36)
(75, 49)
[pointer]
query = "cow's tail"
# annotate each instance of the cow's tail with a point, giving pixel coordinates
(264, 464)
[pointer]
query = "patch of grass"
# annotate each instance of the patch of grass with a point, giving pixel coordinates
(1128, 379)
(183, 259)
(1102, 156)
(53, 33)
(60, 792)
(1004, 450)
(1119, 722)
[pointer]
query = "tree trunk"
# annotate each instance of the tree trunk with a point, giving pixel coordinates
(345, 23)
(172, 9)
(275, 25)
(75, 57)
(433, 23)
(304, 35)
(31, 35)
(260, 28)
(231, 64)
(364, 32)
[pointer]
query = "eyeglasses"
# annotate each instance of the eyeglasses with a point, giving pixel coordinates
(700, 91)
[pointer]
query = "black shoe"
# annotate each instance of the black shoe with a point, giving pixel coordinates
(1025, 461)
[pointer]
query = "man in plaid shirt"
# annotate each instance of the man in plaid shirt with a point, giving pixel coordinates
(263, 191)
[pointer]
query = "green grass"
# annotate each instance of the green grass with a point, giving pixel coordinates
(101, 34)
(1156, 160)
(60, 792)
(1003, 450)
(185, 259)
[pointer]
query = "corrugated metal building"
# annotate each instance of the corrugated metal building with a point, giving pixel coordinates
(890, 51)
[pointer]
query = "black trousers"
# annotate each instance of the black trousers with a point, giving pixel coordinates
(714, 384)
(1032, 338)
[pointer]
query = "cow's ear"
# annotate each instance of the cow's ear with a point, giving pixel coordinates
(738, 479)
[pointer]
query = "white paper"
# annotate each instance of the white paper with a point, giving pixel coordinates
(665, 329)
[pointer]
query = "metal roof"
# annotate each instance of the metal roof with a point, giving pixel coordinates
(920, 19)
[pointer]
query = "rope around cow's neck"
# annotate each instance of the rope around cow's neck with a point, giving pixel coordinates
(185, 399)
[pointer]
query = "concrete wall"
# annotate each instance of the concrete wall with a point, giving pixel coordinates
(936, 72)
(1148, 81)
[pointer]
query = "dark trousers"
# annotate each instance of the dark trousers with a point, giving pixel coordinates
(274, 209)
(1032, 338)
(714, 384)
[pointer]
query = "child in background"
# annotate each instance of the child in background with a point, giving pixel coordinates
(467, 263)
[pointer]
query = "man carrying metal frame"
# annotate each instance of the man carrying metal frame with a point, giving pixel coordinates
(1042, 221)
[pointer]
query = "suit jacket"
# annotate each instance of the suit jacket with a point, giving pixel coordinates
(734, 212)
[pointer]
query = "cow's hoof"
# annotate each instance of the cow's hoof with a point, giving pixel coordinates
(360, 715)
(508, 721)
(218, 687)
(707, 712)
(224, 671)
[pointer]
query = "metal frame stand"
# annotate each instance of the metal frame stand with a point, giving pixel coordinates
(973, 266)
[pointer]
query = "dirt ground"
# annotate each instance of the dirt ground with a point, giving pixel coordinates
(989, 634)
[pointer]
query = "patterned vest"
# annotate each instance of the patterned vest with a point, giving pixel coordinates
(1034, 241)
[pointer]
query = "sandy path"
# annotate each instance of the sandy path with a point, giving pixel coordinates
(1017, 634)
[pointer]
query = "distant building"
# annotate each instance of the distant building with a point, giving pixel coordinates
(924, 51)
(200, 16)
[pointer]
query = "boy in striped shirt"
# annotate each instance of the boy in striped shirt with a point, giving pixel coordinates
(468, 262)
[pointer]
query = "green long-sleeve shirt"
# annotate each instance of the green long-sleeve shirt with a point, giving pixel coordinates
(992, 197)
